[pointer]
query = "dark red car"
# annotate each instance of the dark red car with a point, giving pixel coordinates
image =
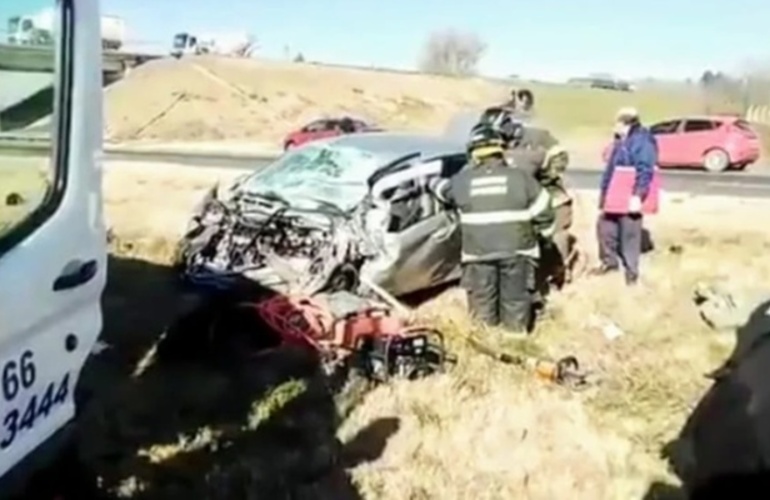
(327, 127)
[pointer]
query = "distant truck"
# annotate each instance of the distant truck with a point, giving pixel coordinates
(37, 29)
(600, 82)
(238, 45)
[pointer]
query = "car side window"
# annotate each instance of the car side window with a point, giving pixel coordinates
(699, 125)
(34, 130)
(451, 165)
(669, 127)
(316, 126)
(407, 194)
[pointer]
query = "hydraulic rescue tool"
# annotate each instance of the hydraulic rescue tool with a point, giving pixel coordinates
(348, 331)
(565, 371)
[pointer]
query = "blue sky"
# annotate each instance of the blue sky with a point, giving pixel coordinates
(550, 39)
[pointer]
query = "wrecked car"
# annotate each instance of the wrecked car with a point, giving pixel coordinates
(331, 215)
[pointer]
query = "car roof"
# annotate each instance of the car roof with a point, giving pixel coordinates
(393, 145)
(718, 118)
(335, 118)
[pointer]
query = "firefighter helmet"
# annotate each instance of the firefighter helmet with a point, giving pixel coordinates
(485, 141)
(502, 120)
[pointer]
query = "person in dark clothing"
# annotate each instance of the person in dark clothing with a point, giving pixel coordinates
(521, 104)
(557, 252)
(503, 211)
(546, 161)
(526, 99)
(536, 151)
(525, 105)
(347, 126)
(538, 142)
(620, 236)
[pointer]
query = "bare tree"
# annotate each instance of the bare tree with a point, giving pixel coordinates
(452, 52)
(735, 93)
(246, 48)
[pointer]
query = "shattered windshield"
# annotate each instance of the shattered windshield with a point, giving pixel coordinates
(313, 174)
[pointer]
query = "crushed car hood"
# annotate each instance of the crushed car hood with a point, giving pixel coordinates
(267, 241)
(307, 248)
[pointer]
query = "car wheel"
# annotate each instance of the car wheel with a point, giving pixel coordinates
(716, 160)
(289, 145)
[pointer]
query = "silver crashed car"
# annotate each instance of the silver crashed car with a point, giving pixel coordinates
(331, 213)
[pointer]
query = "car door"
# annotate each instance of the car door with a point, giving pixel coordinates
(52, 244)
(697, 137)
(421, 241)
(667, 135)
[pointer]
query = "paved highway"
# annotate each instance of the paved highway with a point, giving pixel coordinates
(735, 184)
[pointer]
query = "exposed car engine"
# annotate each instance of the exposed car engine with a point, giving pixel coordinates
(270, 244)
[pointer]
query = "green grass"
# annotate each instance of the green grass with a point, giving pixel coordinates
(572, 110)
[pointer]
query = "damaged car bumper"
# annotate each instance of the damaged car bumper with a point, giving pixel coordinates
(235, 241)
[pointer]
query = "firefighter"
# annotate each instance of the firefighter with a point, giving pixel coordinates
(525, 103)
(558, 250)
(538, 152)
(503, 212)
(520, 137)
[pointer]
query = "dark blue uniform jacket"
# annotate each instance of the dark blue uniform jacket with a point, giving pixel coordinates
(639, 150)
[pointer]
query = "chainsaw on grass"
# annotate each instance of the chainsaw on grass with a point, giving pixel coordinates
(348, 331)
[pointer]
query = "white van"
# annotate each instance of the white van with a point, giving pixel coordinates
(53, 253)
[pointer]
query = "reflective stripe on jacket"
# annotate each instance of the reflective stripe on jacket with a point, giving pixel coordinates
(502, 211)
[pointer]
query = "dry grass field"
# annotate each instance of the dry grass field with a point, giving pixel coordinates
(176, 428)
(211, 99)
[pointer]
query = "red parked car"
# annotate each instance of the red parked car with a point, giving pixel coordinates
(326, 127)
(716, 143)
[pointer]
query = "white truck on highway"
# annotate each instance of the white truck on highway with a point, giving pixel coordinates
(53, 262)
(38, 29)
(236, 44)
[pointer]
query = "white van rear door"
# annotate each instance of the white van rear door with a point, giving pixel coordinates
(53, 253)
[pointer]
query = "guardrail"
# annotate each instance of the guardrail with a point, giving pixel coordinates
(36, 58)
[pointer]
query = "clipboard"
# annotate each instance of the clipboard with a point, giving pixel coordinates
(621, 189)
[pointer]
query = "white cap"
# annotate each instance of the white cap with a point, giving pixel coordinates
(627, 113)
